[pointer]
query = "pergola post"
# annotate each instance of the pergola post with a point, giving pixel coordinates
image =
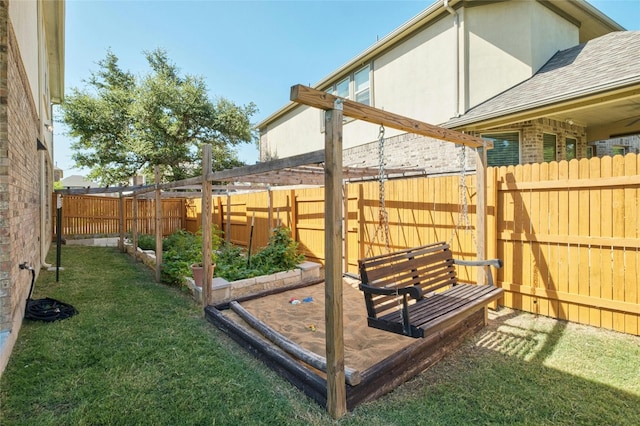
(206, 225)
(158, 223)
(481, 209)
(121, 223)
(336, 390)
(134, 227)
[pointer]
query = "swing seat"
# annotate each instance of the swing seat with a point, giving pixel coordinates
(415, 292)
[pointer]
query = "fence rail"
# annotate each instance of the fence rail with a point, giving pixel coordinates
(568, 232)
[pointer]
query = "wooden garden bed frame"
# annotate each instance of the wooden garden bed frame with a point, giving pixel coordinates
(369, 384)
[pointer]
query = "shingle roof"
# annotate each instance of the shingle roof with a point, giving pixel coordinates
(605, 63)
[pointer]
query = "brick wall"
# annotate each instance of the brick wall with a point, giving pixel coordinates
(20, 187)
(436, 156)
(411, 151)
(5, 249)
(24, 176)
(631, 144)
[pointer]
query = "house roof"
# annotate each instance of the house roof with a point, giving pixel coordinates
(602, 65)
(77, 181)
(590, 21)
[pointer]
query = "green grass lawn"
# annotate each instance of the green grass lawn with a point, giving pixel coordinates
(142, 353)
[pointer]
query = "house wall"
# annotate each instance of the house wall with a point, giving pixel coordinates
(417, 77)
(507, 42)
(25, 174)
(606, 147)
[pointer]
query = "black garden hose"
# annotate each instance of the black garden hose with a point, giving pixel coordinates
(46, 309)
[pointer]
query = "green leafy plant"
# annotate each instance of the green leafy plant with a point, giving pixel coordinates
(280, 254)
(147, 242)
(181, 249)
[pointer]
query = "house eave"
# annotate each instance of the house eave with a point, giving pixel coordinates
(602, 95)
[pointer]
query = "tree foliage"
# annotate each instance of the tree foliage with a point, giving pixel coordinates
(124, 125)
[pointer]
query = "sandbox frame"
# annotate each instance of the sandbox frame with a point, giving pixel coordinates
(374, 382)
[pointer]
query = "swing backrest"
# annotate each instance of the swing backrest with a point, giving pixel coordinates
(430, 268)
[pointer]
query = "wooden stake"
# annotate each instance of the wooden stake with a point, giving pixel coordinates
(336, 391)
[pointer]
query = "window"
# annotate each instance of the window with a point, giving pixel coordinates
(548, 147)
(355, 87)
(342, 89)
(619, 149)
(571, 149)
(506, 149)
(361, 86)
(591, 151)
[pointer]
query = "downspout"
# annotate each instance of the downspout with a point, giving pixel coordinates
(456, 24)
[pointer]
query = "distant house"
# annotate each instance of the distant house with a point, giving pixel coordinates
(77, 181)
(545, 80)
(32, 70)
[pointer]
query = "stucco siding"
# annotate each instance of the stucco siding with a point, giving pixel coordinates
(549, 33)
(24, 21)
(417, 78)
(508, 42)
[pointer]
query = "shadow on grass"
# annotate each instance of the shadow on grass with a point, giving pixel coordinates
(142, 353)
(522, 369)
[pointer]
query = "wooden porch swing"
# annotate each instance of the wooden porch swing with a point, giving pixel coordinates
(415, 292)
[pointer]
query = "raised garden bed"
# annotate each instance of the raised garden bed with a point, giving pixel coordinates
(223, 290)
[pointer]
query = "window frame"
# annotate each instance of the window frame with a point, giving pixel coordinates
(333, 90)
(353, 92)
(490, 135)
(555, 147)
(566, 148)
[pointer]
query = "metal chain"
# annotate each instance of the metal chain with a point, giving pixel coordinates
(463, 214)
(383, 216)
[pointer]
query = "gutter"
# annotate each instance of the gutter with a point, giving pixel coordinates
(456, 25)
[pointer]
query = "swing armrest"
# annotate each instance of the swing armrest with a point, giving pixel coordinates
(496, 263)
(412, 291)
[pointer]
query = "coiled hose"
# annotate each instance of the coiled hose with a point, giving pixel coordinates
(46, 309)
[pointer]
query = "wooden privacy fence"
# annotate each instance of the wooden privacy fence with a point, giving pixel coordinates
(568, 232)
(91, 215)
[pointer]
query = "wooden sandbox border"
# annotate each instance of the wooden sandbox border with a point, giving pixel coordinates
(375, 381)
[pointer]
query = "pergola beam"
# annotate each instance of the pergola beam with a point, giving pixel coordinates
(319, 99)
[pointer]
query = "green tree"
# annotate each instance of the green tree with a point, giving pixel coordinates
(125, 125)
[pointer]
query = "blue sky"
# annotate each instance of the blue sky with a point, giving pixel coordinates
(247, 51)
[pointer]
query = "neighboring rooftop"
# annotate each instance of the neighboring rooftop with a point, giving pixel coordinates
(77, 181)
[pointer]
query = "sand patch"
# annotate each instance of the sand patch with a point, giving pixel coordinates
(304, 323)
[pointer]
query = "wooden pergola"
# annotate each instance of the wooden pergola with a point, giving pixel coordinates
(323, 167)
